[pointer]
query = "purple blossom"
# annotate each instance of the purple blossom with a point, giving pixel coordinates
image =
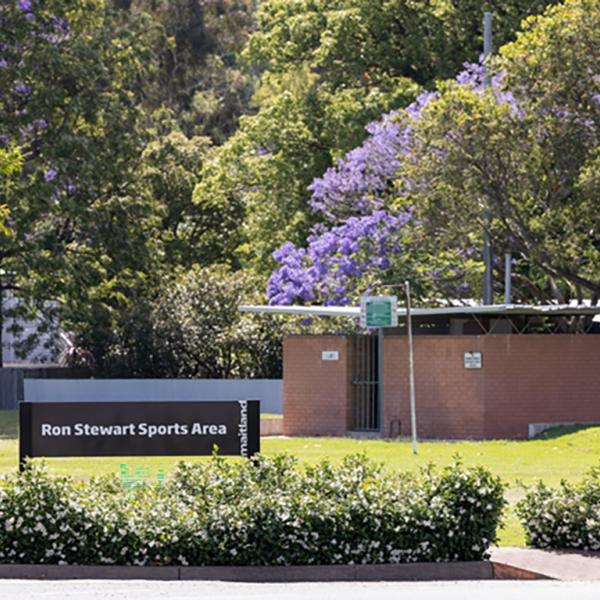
(358, 182)
(50, 175)
(473, 76)
(24, 5)
(596, 99)
(60, 25)
(22, 88)
(335, 260)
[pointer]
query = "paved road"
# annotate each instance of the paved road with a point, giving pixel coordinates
(153, 590)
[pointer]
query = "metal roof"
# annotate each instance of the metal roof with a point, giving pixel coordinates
(491, 309)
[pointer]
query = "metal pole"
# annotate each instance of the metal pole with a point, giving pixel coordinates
(488, 294)
(487, 43)
(507, 276)
(411, 370)
(380, 407)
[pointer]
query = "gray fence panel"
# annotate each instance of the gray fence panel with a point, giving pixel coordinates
(268, 391)
(11, 388)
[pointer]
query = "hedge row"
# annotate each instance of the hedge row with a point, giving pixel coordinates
(565, 517)
(261, 512)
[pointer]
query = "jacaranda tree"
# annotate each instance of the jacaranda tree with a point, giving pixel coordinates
(517, 158)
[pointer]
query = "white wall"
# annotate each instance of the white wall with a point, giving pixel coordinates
(268, 391)
(39, 354)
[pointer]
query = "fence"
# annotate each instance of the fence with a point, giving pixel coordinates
(11, 380)
(268, 391)
(11, 388)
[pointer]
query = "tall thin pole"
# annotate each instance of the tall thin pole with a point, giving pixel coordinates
(488, 294)
(411, 370)
(507, 277)
(487, 44)
(380, 402)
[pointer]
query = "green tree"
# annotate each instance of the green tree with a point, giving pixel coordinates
(199, 332)
(200, 77)
(329, 68)
(10, 163)
(79, 230)
(117, 330)
(526, 154)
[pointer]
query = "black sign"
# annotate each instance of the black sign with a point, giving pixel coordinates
(138, 428)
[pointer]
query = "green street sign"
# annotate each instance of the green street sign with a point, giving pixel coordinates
(379, 311)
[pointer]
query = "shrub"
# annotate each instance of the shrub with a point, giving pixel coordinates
(565, 517)
(261, 512)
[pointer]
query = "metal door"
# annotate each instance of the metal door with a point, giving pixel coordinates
(365, 384)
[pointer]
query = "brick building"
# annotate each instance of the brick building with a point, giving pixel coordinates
(479, 374)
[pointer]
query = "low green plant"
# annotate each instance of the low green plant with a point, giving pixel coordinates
(265, 511)
(563, 517)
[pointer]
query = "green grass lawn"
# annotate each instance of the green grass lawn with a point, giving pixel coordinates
(565, 453)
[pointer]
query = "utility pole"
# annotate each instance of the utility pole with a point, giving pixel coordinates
(488, 295)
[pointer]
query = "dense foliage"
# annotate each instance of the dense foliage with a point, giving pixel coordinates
(515, 155)
(70, 104)
(565, 517)
(199, 332)
(524, 157)
(260, 512)
(330, 68)
(199, 76)
(140, 140)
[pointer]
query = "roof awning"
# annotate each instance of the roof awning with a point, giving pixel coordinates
(488, 310)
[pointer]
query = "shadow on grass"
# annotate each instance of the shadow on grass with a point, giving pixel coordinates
(560, 431)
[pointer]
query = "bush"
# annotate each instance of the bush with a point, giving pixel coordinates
(566, 517)
(260, 512)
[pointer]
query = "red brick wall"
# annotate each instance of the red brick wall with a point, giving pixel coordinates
(541, 379)
(315, 392)
(449, 398)
(524, 379)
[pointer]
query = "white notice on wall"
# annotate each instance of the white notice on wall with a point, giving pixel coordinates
(330, 355)
(473, 360)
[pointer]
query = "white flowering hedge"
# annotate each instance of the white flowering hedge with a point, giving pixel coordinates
(261, 512)
(563, 517)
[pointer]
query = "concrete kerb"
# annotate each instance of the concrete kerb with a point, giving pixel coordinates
(562, 565)
(457, 571)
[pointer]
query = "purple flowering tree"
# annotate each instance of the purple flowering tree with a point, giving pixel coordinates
(368, 235)
(523, 150)
(338, 262)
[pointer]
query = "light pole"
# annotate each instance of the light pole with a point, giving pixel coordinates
(411, 370)
(488, 294)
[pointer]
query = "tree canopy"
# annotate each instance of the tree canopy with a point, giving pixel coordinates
(160, 156)
(328, 69)
(518, 159)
